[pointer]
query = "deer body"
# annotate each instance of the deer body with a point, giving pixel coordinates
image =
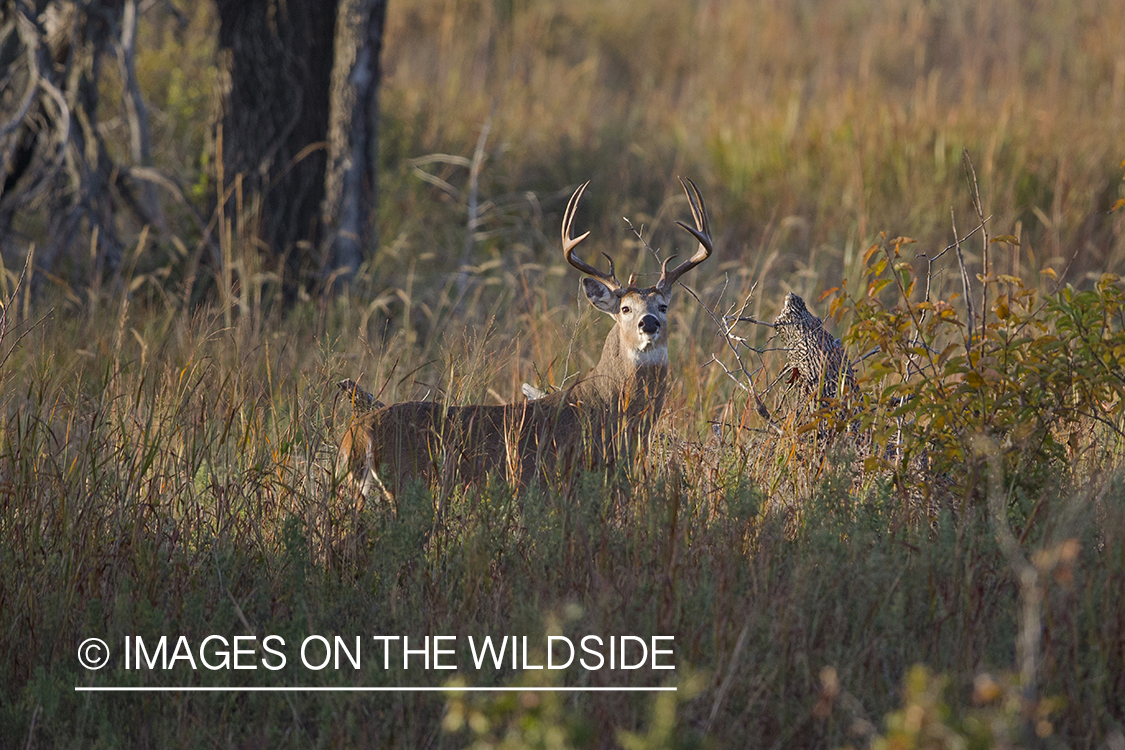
(605, 416)
(584, 426)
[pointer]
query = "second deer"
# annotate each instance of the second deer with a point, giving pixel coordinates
(606, 414)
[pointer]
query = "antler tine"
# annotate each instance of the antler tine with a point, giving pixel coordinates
(701, 232)
(612, 268)
(569, 243)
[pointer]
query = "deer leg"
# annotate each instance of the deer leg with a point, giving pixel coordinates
(371, 478)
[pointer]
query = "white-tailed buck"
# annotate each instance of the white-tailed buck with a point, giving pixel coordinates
(606, 414)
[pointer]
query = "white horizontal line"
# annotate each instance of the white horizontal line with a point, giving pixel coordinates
(362, 689)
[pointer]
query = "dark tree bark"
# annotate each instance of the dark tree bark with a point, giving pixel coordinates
(51, 153)
(281, 90)
(351, 184)
(278, 58)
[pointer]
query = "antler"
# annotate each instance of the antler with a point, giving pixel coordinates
(569, 243)
(702, 232)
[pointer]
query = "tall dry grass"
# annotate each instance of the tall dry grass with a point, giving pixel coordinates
(167, 436)
(161, 472)
(813, 126)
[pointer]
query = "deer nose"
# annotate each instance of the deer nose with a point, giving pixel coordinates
(649, 324)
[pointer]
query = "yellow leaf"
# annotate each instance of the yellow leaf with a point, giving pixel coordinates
(1050, 272)
(902, 241)
(1117, 204)
(1005, 238)
(824, 294)
(870, 251)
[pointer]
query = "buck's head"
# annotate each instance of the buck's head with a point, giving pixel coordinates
(641, 313)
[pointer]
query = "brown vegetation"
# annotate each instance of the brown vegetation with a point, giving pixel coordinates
(169, 431)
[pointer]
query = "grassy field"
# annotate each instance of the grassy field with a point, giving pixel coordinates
(166, 445)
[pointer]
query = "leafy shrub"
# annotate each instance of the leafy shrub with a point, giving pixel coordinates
(1042, 375)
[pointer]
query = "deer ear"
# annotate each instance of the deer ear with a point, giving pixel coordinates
(600, 296)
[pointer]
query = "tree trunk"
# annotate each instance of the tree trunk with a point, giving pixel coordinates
(351, 183)
(278, 57)
(51, 146)
(280, 90)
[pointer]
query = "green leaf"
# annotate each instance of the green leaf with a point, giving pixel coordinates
(876, 287)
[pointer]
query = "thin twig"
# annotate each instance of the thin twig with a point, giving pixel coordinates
(780, 376)
(748, 319)
(966, 286)
(971, 176)
(929, 275)
(868, 355)
(634, 230)
(915, 317)
(1061, 276)
(731, 375)
(16, 343)
(725, 332)
(473, 213)
(937, 257)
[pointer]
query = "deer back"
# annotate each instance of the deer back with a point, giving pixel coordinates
(605, 416)
(588, 425)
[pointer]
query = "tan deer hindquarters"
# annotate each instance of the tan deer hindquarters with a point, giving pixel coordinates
(606, 415)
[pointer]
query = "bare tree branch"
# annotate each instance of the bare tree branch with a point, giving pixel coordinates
(136, 112)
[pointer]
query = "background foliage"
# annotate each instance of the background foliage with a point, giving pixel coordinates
(167, 432)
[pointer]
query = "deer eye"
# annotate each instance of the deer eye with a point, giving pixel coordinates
(626, 309)
(664, 308)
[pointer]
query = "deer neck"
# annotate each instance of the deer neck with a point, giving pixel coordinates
(625, 373)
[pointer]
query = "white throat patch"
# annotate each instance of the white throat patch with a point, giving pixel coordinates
(650, 356)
